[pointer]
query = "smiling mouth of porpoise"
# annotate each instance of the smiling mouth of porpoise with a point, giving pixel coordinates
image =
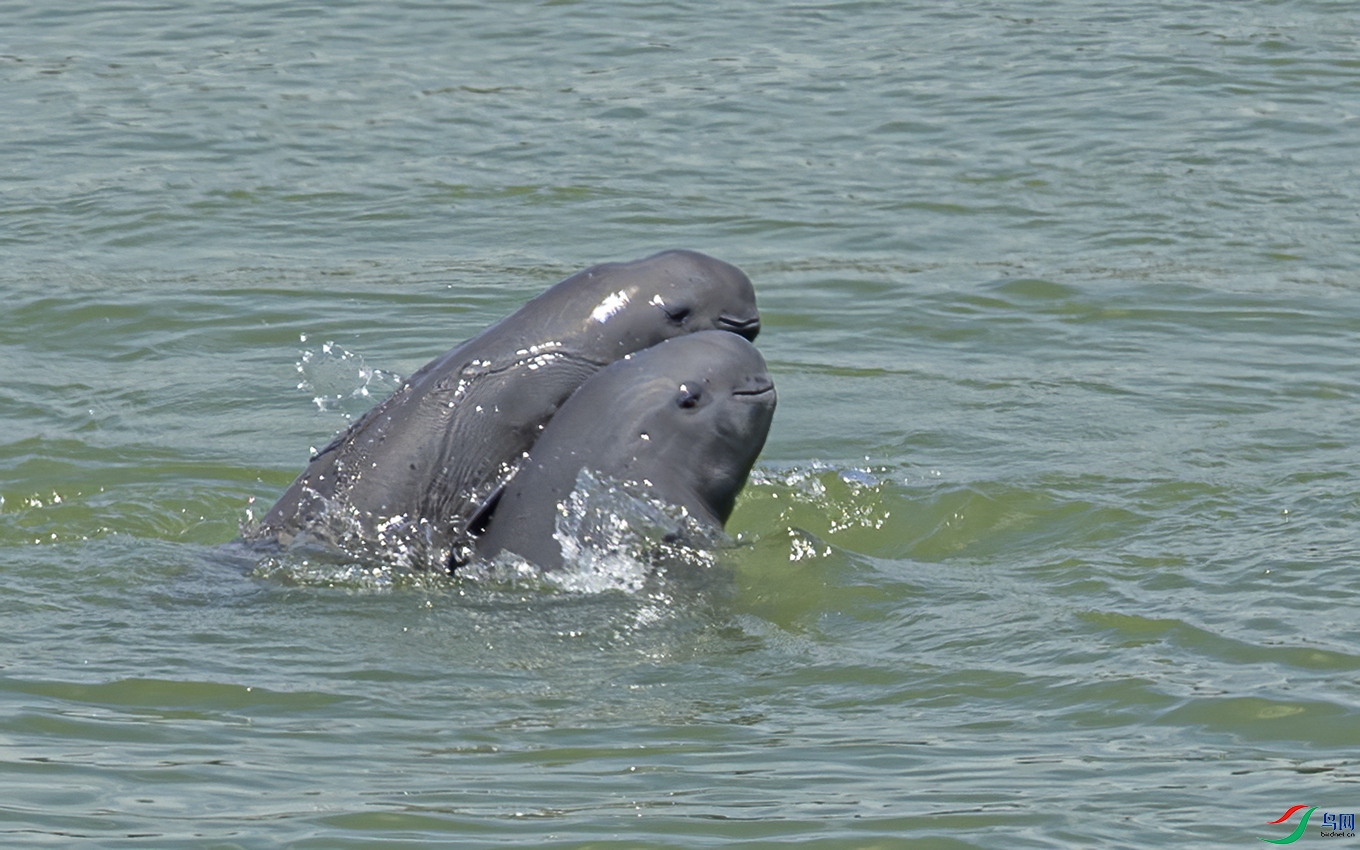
(748, 328)
(761, 387)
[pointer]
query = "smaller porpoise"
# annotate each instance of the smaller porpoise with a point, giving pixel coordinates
(683, 421)
(402, 484)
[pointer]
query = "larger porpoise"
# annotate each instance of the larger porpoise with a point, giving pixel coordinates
(403, 482)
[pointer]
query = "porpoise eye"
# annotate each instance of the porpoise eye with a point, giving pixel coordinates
(677, 314)
(688, 398)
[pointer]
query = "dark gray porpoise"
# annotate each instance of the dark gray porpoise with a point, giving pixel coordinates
(685, 420)
(402, 484)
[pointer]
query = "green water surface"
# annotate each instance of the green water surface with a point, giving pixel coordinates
(1053, 543)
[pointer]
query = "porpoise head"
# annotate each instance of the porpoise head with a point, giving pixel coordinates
(697, 292)
(681, 422)
(613, 309)
(699, 430)
(686, 419)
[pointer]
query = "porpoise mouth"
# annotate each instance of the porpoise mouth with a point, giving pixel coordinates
(742, 327)
(758, 388)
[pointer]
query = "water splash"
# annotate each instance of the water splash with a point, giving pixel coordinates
(615, 536)
(339, 380)
(292, 571)
(831, 500)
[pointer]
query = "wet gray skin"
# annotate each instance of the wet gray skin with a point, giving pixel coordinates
(682, 422)
(401, 484)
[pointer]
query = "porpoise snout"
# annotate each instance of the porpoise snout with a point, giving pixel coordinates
(748, 328)
(755, 385)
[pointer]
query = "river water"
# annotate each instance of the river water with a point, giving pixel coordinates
(1053, 542)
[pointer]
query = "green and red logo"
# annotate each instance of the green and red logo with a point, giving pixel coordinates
(1298, 833)
(1338, 825)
